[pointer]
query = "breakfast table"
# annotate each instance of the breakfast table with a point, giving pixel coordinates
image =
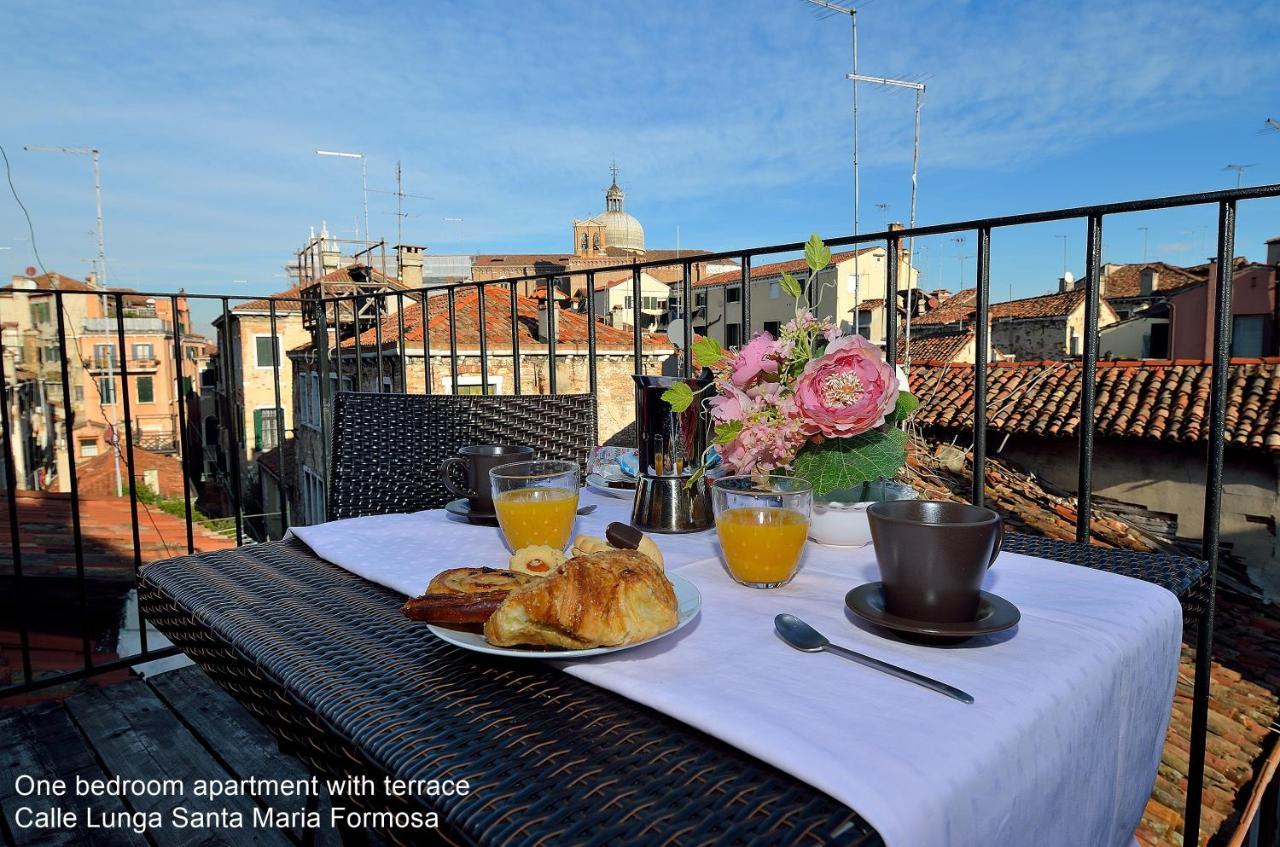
(718, 733)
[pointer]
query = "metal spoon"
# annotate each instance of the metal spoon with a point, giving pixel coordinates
(801, 636)
(586, 510)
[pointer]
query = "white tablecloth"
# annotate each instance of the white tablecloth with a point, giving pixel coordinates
(1059, 748)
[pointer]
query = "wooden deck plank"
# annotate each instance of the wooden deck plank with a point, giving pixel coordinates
(41, 741)
(136, 736)
(243, 745)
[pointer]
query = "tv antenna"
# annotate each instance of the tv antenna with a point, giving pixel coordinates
(1145, 230)
(400, 195)
(1240, 169)
(1064, 251)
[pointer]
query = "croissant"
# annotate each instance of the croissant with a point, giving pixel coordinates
(603, 599)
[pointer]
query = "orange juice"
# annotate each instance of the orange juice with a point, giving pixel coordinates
(537, 516)
(762, 546)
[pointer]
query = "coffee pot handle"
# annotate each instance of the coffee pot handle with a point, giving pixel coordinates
(446, 473)
(999, 541)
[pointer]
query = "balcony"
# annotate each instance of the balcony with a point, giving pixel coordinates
(139, 325)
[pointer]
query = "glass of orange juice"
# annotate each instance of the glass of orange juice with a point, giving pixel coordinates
(762, 521)
(536, 502)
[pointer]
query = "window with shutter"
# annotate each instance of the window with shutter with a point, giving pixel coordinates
(257, 429)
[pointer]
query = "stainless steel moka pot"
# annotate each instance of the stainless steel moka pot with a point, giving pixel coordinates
(671, 446)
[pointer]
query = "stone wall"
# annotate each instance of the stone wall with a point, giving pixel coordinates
(1031, 338)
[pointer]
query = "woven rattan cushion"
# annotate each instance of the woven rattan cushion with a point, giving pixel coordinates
(387, 448)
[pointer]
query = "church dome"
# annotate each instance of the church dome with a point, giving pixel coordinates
(621, 230)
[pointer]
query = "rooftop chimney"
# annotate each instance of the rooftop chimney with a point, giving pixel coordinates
(409, 262)
(1273, 251)
(1150, 281)
(1066, 283)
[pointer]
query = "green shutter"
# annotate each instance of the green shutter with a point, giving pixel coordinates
(257, 429)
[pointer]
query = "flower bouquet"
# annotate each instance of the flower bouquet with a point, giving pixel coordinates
(814, 403)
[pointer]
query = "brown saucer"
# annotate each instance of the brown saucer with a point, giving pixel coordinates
(462, 509)
(995, 614)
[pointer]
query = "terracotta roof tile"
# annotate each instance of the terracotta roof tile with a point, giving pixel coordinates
(934, 348)
(1126, 281)
(1160, 400)
(263, 304)
(52, 281)
(571, 327)
(955, 309)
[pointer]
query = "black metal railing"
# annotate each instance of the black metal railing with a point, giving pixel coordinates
(339, 334)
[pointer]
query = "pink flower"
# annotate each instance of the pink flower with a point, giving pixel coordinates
(754, 359)
(847, 391)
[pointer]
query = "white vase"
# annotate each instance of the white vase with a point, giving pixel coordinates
(839, 518)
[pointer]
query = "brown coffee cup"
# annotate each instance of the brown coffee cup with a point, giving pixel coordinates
(475, 462)
(933, 556)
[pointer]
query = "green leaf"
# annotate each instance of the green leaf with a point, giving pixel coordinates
(816, 254)
(695, 476)
(791, 285)
(848, 462)
(727, 432)
(907, 403)
(707, 351)
(679, 396)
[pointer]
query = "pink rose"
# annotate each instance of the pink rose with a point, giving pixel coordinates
(847, 391)
(754, 359)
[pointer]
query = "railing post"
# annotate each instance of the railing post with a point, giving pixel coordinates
(321, 344)
(981, 348)
(483, 329)
(591, 331)
(129, 463)
(890, 303)
(686, 294)
(11, 493)
(380, 299)
(745, 300)
(1222, 281)
(357, 330)
(404, 358)
(453, 340)
(182, 421)
(234, 417)
(636, 333)
(551, 334)
(73, 483)
(275, 376)
(1088, 377)
(515, 337)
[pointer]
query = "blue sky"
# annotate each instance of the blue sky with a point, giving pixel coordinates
(729, 120)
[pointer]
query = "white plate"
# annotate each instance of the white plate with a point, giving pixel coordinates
(598, 484)
(688, 602)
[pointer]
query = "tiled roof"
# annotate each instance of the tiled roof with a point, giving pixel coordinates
(1126, 281)
(262, 305)
(1159, 400)
(869, 304)
(1245, 671)
(777, 268)
(55, 281)
(522, 259)
(934, 348)
(955, 309)
(571, 327)
(1043, 306)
